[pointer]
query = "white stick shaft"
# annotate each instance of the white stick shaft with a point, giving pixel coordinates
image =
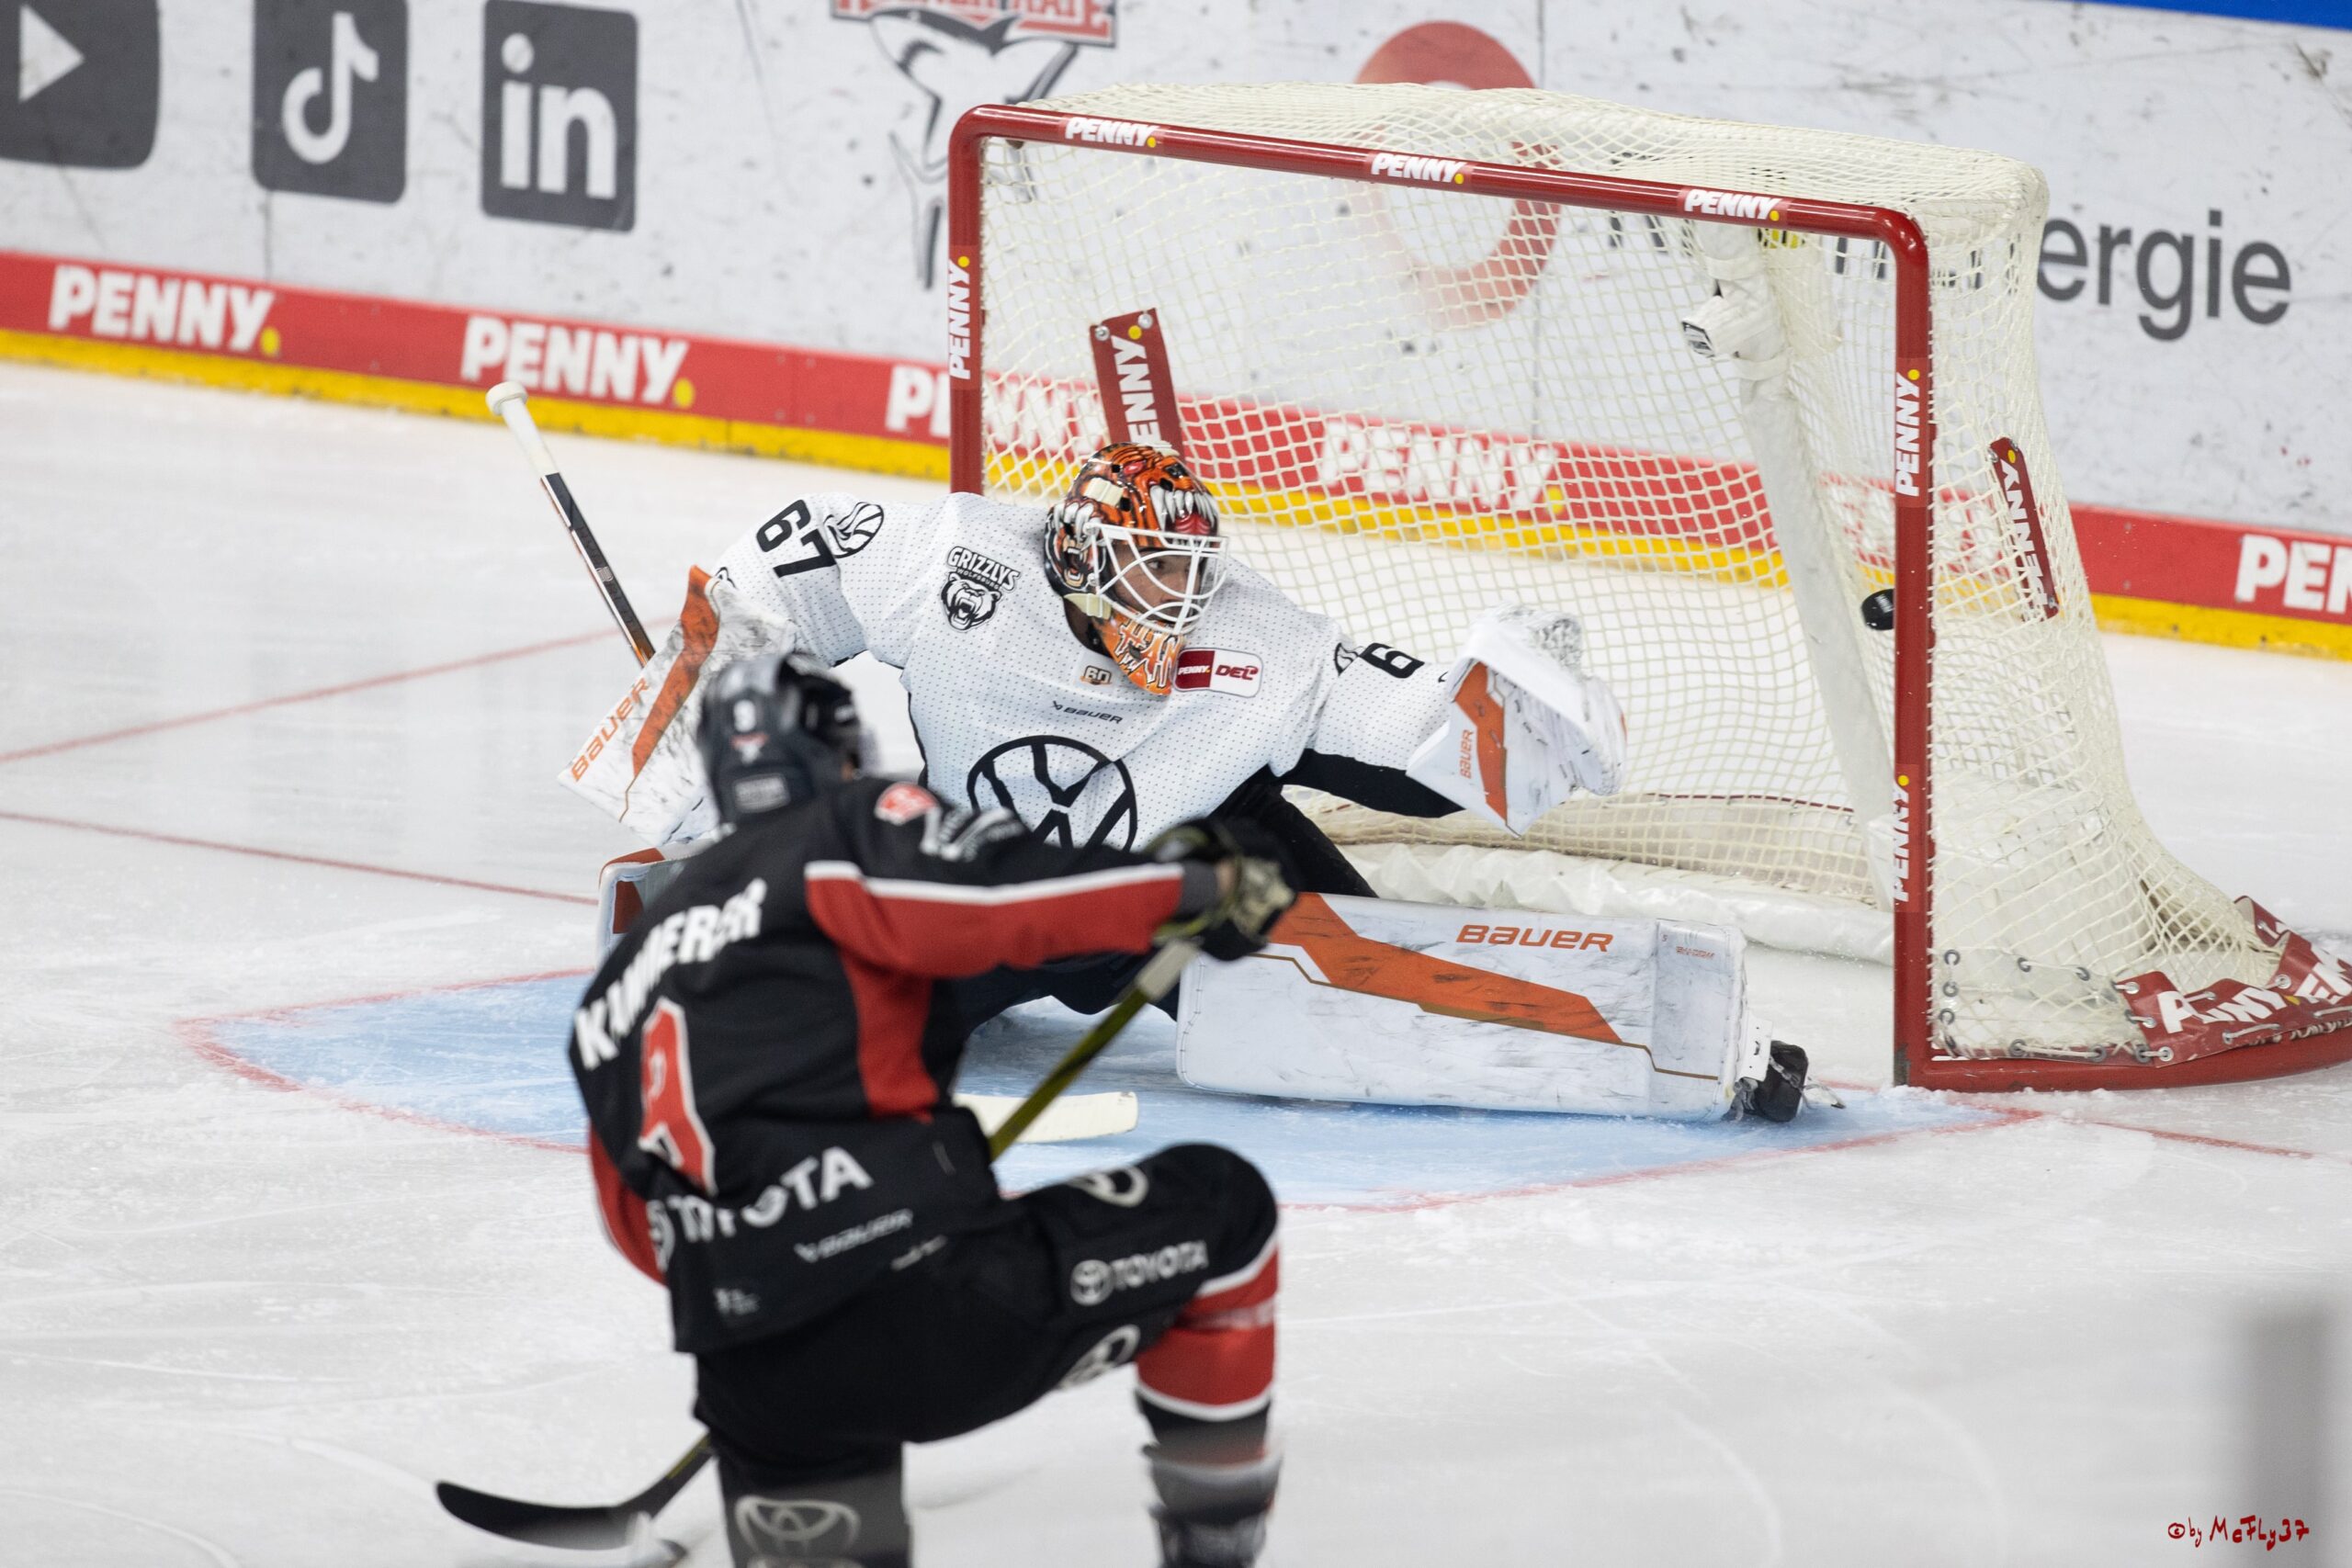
(512, 404)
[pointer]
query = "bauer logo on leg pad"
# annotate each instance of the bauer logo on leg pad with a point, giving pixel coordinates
(1534, 936)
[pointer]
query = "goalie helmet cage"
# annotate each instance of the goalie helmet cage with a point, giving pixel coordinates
(1714, 387)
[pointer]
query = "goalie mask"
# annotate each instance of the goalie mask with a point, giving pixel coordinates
(776, 731)
(1134, 548)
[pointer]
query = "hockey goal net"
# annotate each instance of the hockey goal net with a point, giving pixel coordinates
(1759, 404)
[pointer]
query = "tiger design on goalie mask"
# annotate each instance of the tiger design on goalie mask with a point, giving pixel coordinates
(1134, 547)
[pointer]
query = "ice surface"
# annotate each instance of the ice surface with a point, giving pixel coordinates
(294, 1226)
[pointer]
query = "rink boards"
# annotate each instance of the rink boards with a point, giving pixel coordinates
(488, 1059)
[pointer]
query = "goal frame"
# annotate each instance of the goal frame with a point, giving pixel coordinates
(1914, 1059)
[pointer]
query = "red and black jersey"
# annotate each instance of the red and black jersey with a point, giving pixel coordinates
(767, 1058)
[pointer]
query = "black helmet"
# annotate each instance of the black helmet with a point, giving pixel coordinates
(776, 729)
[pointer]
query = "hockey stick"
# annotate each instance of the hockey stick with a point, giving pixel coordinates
(595, 1529)
(512, 404)
(1069, 1120)
(1161, 972)
(582, 1529)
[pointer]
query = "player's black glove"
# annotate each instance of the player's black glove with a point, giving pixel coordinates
(1256, 893)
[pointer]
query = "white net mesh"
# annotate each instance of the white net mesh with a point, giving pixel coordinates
(1417, 404)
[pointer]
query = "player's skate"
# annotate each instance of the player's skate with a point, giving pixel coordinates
(1211, 1515)
(1778, 1094)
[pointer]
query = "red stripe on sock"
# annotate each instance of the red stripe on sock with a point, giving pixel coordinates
(1219, 1356)
(1258, 1283)
(1205, 1371)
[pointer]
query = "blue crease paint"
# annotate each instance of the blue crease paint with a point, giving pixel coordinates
(491, 1058)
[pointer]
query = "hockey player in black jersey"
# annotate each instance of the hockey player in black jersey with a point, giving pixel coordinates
(766, 1060)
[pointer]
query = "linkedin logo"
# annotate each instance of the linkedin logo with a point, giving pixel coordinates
(331, 97)
(558, 113)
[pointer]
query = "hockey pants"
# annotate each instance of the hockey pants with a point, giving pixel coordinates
(1169, 1264)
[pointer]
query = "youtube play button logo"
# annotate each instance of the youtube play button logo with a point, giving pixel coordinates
(78, 82)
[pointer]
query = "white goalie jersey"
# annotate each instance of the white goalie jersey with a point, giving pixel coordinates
(1012, 710)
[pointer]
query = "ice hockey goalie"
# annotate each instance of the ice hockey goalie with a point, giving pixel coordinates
(1102, 668)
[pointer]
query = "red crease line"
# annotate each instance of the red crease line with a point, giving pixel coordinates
(127, 731)
(286, 1010)
(200, 1039)
(184, 843)
(1991, 1117)
(2205, 1139)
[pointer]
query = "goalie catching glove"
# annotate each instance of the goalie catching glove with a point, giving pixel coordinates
(1253, 885)
(1526, 727)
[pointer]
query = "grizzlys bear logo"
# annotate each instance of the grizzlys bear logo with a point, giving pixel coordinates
(974, 582)
(967, 603)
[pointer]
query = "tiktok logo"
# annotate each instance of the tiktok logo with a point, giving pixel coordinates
(331, 97)
(352, 57)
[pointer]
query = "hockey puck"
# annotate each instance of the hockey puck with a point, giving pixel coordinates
(1878, 610)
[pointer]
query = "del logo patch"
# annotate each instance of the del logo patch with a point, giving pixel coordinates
(1217, 669)
(902, 803)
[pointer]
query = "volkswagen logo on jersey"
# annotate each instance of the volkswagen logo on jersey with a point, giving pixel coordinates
(1070, 794)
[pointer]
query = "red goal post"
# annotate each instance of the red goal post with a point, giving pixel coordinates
(1907, 475)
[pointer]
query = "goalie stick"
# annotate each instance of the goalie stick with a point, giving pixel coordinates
(512, 404)
(598, 1528)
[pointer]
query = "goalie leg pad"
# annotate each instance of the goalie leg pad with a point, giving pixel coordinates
(1421, 1004)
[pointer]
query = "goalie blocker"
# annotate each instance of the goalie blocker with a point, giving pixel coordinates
(1422, 1004)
